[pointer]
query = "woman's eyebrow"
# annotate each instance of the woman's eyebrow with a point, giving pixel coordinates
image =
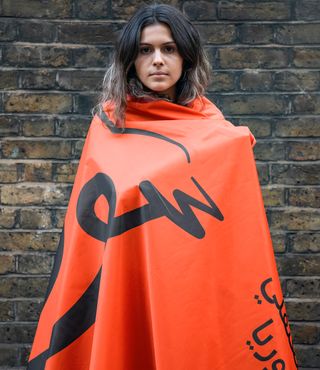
(165, 43)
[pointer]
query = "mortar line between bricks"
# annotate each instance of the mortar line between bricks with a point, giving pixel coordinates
(288, 139)
(69, 20)
(53, 208)
(293, 162)
(281, 186)
(17, 322)
(8, 345)
(40, 138)
(45, 115)
(32, 231)
(209, 92)
(214, 21)
(305, 254)
(75, 161)
(264, 116)
(36, 160)
(311, 322)
(206, 45)
(70, 183)
(316, 299)
(26, 253)
(24, 299)
(261, 139)
(280, 116)
(26, 275)
(37, 183)
(301, 278)
(88, 116)
(103, 69)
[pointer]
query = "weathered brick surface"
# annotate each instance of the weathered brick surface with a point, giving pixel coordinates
(7, 264)
(8, 30)
(305, 333)
(24, 287)
(91, 57)
(35, 218)
(36, 31)
(273, 196)
(28, 310)
(9, 126)
(298, 265)
(16, 241)
(255, 81)
(279, 242)
(265, 56)
(306, 57)
(303, 197)
(8, 172)
(36, 8)
(254, 10)
(304, 242)
(297, 33)
(260, 127)
(35, 264)
(204, 11)
(218, 33)
(307, 10)
(36, 149)
(35, 194)
(37, 103)
(41, 79)
(255, 33)
(8, 80)
(247, 104)
(21, 333)
(296, 81)
(8, 218)
(303, 287)
(303, 309)
(37, 126)
(308, 355)
(22, 55)
(36, 171)
(88, 9)
(295, 174)
(304, 126)
(257, 57)
(222, 81)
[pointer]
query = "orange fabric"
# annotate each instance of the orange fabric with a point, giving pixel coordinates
(166, 260)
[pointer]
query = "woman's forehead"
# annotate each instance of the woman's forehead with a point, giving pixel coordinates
(156, 33)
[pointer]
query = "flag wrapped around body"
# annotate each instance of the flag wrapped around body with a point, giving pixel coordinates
(165, 261)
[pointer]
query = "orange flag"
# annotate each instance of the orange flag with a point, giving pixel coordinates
(165, 261)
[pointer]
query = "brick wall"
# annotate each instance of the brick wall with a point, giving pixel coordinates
(266, 61)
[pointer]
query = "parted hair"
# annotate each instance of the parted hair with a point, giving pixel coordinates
(120, 78)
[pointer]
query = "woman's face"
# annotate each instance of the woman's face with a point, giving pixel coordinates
(159, 64)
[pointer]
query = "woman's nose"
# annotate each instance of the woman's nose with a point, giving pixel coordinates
(157, 58)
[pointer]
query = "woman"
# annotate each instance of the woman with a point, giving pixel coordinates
(165, 252)
(159, 56)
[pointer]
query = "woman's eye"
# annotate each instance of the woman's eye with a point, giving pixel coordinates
(169, 49)
(145, 50)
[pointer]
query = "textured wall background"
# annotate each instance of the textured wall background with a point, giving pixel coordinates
(266, 61)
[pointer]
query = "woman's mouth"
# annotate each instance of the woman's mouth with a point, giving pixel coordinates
(158, 74)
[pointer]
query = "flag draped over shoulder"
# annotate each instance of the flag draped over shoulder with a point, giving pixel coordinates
(165, 260)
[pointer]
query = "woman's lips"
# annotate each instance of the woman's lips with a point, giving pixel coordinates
(159, 74)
